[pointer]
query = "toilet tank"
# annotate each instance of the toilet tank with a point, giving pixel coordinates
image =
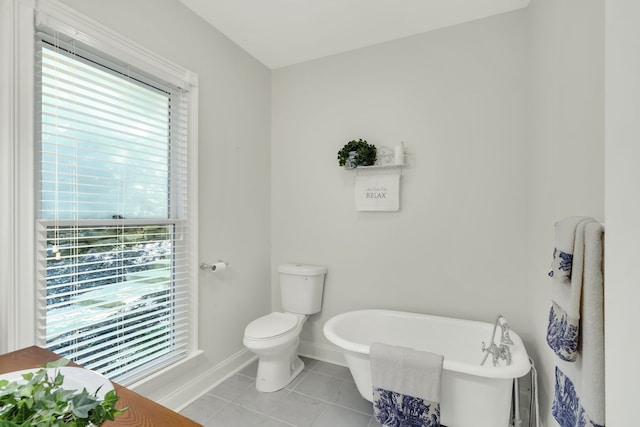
(301, 287)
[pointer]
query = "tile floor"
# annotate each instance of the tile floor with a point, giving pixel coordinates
(323, 395)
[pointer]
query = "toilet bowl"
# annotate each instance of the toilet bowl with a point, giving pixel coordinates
(275, 337)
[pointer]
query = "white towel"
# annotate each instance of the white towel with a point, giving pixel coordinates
(406, 386)
(579, 388)
(566, 287)
(377, 192)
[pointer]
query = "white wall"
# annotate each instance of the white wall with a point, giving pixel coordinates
(622, 210)
(565, 168)
(504, 120)
(234, 187)
(456, 97)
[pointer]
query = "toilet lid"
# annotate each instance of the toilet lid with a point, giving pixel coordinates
(271, 325)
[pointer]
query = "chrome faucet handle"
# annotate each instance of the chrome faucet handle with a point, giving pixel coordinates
(504, 327)
(506, 339)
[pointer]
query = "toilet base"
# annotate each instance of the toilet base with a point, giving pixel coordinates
(274, 373)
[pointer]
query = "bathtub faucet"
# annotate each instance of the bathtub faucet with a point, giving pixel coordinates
(502, 351)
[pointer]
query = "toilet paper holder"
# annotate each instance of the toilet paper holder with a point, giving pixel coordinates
(217, 266)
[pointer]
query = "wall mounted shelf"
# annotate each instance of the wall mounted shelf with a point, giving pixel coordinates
(384, 160)
(389, 166)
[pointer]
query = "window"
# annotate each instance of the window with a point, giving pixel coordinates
(114, 221)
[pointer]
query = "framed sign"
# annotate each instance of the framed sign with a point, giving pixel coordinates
(377, 192)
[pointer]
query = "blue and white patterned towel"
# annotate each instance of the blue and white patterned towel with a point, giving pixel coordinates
(561, 265)
(566, 287)
(563, 248)
(567, 408)
(399, 410)
(406, 385)
(579, 388)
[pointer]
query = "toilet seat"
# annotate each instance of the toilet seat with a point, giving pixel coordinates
(271, 326)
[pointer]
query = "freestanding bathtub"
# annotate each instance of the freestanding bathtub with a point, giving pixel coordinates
(471, 395)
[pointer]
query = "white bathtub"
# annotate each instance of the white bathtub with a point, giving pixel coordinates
(471, 395)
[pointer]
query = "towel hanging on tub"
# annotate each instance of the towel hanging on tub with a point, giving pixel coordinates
(406, 386)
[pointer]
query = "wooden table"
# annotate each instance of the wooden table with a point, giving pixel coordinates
(142, 412)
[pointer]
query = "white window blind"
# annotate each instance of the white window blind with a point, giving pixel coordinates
(114, 227)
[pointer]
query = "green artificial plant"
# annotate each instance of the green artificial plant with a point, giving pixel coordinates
(364, 154)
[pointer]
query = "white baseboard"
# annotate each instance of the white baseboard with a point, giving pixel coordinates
(192, 388)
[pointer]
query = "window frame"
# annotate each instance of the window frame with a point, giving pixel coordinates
(17, 51)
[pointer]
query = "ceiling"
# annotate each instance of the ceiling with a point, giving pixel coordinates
(284, 32)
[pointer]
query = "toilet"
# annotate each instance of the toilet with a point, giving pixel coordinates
(275, 337)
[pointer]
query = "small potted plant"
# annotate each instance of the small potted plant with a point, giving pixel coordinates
(357, 153)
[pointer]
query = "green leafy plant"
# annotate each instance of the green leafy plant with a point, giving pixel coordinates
(40, 401)
(365, 153)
